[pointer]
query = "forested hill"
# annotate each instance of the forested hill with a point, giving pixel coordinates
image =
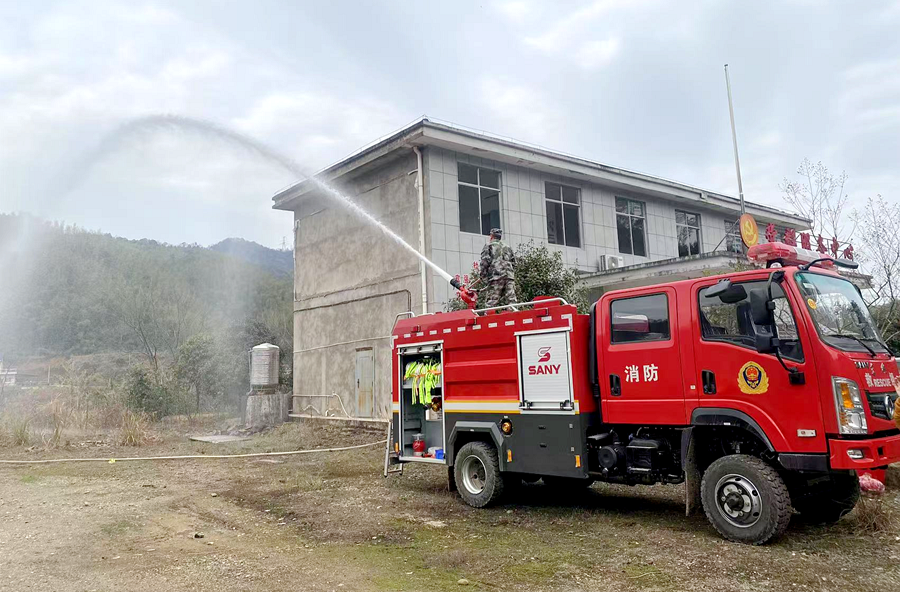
(67, 291)
(280, 262)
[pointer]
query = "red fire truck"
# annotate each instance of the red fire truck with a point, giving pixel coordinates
(763, 391)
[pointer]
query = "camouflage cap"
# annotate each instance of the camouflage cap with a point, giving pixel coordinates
(496, 232)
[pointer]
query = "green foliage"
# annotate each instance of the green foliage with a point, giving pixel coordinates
(540, 271)
(69, 292)
(147, 394)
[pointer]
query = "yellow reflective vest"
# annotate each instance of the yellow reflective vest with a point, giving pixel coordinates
(425, 375)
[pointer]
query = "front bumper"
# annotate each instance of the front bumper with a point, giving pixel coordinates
(877, 452)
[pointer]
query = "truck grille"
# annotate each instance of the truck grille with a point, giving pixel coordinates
(879, 405)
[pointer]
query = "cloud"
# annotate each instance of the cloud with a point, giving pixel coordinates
(598, 53)
(318, 127)
(523, 112)
(516, 11)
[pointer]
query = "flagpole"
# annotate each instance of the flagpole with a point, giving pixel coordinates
(737, 161)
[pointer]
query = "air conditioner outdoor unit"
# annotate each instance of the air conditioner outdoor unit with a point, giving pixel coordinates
(610, 262)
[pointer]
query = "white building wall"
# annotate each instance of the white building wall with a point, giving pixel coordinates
(523, 218)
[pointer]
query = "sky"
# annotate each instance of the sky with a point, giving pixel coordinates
(637, 84)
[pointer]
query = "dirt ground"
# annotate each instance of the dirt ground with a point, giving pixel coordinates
(330, 521)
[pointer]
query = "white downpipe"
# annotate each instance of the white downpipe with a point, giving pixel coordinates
(420, 185)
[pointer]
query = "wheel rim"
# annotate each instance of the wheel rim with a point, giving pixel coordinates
(474, 475)
(738, 500)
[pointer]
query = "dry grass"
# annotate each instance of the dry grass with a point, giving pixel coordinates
(20, 431)
(134, 430)
(874, 515)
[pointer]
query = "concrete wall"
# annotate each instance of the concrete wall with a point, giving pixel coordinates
(350, 282)
(523, 215)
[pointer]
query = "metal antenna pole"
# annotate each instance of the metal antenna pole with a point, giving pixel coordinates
(737, 161)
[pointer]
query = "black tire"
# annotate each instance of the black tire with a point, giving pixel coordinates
(569, 483)
(477, 472)
(827, 502)
(745, 499)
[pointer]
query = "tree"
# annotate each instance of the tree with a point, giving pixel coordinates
(819, 196)
(879, 253)
(539, 272)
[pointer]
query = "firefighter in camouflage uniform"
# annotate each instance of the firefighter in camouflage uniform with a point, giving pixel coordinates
(497, 269)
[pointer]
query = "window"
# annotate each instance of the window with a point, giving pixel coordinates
(687, 226)
(630, 225)
(733, 322)
(563, 215)
(479, 199)
(733, 241)
(645, 318)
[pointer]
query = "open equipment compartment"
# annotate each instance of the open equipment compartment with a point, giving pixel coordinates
(416, 418)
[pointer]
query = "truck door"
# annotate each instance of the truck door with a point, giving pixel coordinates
(641, 361)
(732, 375)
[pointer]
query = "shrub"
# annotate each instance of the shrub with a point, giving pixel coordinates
(540, 271)
(148, 393)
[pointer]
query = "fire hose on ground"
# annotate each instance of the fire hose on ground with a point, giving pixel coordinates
(187, 456)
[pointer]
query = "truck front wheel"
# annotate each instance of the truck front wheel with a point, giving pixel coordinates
(477, 472)
(745, 499)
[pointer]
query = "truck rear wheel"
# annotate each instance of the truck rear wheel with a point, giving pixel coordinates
(827, 503)
(745, 499)
(477, 472)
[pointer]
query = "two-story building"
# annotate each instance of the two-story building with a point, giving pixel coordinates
(442, 188)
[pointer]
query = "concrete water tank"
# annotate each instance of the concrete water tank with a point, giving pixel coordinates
(264, 360)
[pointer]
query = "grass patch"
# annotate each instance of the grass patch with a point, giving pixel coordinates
(118, 528)
(29, 479)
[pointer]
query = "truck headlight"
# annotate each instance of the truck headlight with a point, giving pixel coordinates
(848, 404)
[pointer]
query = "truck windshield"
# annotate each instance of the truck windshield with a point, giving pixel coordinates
(841, 317)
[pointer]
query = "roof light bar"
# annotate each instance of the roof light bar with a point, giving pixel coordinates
(770, 253)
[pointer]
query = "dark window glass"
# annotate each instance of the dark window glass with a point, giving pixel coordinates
(469, 216)
(467, 173)
(623, 226)
(733, 322)
(645, 318)
(554, 223)
(733, 241)
(489, 178)
(637, 236)
(570, 195)
(571, 225)
(479, 199)
(563, 215)
(490, 210)
(687, 229)
(554, 191)
(630, 227)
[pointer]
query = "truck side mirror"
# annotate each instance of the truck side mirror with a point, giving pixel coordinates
(727, 292)
(761, 308)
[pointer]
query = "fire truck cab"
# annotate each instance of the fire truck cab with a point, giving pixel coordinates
(762, 391)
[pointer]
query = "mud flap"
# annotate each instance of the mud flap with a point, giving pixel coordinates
(691, 473)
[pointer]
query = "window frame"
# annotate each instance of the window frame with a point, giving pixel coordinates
(698, 228)
(612, 330)
(628, 201)
(478, 188)
(714, 339)
(562, 204)
(733, 230)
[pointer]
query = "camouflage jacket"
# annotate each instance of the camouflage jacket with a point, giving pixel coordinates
(497, 261)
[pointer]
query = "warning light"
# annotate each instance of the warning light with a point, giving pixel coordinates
(770, 253)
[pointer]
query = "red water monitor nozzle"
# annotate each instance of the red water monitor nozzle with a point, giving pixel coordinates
(466, 295)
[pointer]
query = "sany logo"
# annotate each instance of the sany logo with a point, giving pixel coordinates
(544, 352)
(542, 367)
